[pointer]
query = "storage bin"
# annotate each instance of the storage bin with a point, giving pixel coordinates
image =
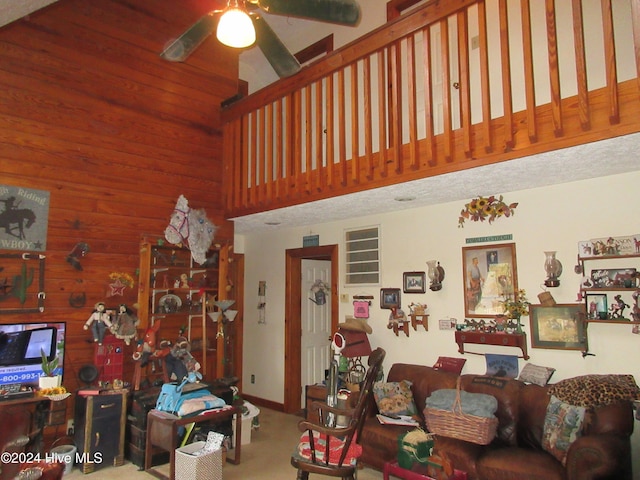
(202, 467)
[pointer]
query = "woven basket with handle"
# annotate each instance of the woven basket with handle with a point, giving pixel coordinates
(455, 423)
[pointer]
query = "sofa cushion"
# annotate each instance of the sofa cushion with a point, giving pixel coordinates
(562, 427)
(394, 398)
(450, 364)
(506, 392)
(536, 374)
(596, 390)
(425, 380)
(511, 463)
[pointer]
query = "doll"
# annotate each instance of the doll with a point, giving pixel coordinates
(99, 322)
(125, 324)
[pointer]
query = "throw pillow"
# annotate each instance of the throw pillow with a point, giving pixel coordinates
(562, 426)
(450, 364)
(394, 398)
(535, 374)
(501, 365)
(596, 390)
(336, 445)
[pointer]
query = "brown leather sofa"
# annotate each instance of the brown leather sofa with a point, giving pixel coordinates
(603, 451)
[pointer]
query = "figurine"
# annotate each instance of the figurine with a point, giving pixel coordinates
(617, 309)
(99, 322)
(125, 324)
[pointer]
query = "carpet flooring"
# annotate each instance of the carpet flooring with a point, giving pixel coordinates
(266, 457)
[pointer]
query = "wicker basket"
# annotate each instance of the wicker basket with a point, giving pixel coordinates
(455, 423)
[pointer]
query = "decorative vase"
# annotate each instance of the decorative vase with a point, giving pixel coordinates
(49, 382)
(518, 324)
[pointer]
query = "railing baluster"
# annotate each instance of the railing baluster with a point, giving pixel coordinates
(428, 100)
(581, 66)
(308, 137)
(554, 70)
(529, 81)
(342, 129)
(320, 169)
(329, 131)
(269, 156)
(366, 67)
(610, 62)
(463, 82)
(244, 184)
(279, 148)
(355, 137)
(262, 157)
(414, 161)
(395, 109)
(382, 114)
(446, 90)
(507, 92)
(485, 93)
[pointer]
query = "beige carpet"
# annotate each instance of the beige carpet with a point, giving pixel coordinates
(266, 457)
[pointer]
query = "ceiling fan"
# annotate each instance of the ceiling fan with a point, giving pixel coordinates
(341, 12)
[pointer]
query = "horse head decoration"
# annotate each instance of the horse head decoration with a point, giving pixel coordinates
(191, 226)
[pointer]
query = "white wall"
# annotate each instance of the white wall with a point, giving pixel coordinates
(551, 218)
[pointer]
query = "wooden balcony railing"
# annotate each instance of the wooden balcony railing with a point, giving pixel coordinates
(451, 86)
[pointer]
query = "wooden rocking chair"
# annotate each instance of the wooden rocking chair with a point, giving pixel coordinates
(334, 451)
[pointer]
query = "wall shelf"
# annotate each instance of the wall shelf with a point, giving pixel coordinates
(518, 340)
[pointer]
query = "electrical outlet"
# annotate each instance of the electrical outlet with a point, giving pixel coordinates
(253, 378)
(70, 426)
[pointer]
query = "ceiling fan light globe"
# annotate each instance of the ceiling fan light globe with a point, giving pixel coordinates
(235, 29)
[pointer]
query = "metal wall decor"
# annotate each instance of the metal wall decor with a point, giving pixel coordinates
(21, 283)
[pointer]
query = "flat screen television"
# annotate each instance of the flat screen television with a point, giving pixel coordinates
(21, 345)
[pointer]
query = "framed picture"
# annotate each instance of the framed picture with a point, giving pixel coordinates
(596, 306)
(490, 276)
(414, 282)
(614, 278)
(389, 298)
(559, 327)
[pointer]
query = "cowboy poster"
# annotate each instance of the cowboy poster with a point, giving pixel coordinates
(24, 217)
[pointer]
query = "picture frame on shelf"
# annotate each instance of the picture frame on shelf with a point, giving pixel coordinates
(561, 327)
(596, 306)
(389, 298)
(490, 275)
(414, 282)
(613, 277)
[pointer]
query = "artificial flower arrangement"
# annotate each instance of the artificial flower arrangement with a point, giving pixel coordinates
(486, 208)
(516, 306)
(124, 278)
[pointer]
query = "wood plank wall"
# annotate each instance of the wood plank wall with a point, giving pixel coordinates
(91, 114)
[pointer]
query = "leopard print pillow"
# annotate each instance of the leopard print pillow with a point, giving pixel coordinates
(596, 390)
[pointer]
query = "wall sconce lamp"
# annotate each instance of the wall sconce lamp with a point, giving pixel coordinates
(235, 28)
(436, 275)
(553, 267)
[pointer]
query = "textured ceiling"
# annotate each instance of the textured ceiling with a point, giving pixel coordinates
(599, 159)
(11, 10)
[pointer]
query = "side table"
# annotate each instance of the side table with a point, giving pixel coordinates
(162, 428)
(392, 468)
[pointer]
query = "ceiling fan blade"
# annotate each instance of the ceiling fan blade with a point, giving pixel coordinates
(344, 12)
(281, 59)
(183, 46)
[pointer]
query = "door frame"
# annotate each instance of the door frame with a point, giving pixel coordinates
(293, 312)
